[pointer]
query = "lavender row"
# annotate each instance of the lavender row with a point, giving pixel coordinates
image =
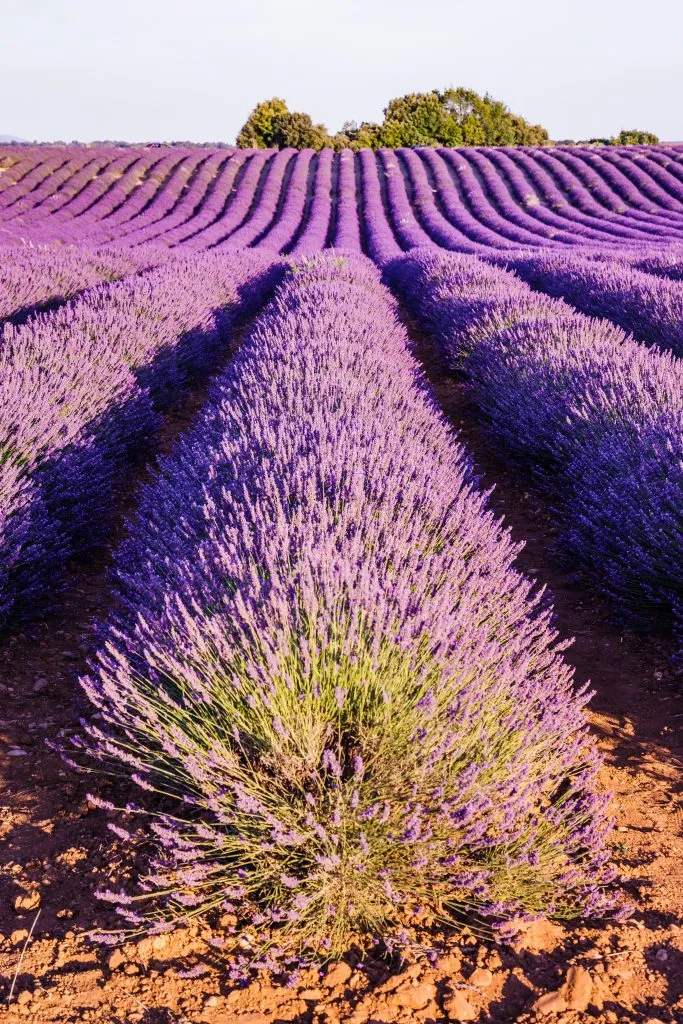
(266, 207)
(237, 206)
(315, 227)
(73, 221)
(458, 198)
(32, 280)
(209, 207)
(80, 394)
(650, 307)
(595, 417)
(159, 202)
(324, 653)
(176, 205)
(535, 186)
(572, 215)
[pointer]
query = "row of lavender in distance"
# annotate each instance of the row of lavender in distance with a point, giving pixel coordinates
(80, 392)
(323, 650)
(594, 415)
(649, 306)
(462, 199)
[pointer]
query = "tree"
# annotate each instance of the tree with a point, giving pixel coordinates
(298, 131)
(633, 137)
(454, 117)
(257, 131)
(272, 125)
(354, 136)
(419, 119)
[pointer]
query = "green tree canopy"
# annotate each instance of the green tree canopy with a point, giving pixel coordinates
(257, 132)
(633, 137)
(272, 125)
(454, 117)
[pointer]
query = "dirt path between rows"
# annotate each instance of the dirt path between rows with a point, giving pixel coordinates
(56, 850)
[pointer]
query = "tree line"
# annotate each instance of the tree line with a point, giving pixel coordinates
(452, 117)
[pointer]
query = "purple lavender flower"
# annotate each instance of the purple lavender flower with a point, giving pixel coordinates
(312, 532)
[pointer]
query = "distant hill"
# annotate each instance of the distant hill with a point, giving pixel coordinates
(11, 138)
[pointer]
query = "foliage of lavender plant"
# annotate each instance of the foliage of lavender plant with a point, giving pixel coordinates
(323, 651)
(80, 392)
(595, 416)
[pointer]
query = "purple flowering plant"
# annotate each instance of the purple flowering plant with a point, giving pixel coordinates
(324, 653)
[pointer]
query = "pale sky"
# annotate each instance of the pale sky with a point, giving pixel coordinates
(163, 70)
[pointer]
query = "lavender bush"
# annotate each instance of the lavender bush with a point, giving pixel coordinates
(650, 307)
(80, 393)
(595, 417)
(32, 280)
(324, 653)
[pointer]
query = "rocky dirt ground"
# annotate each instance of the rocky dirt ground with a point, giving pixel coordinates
(56, 850)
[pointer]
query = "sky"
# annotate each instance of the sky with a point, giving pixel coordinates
(165, 70)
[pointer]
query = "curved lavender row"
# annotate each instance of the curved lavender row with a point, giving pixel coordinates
(73, 215)
(462, 198)
(406, 226)
(285, 227)
(313, 237)
(527, 230)
(649, 307)
(13, 168)
(536, 191)
(79, 392)
(426, 200)
(379, 236)
(43, 169)
(239, 205)
(67, 193)
(666, 174)
(480, 206)
(586, 188)
(610, 186)
(29, 202)
(551, 173)
(192, 197)
(616, 185)
(454, 206)
(135, 202)
(659, 161)
(123, 199)
(162, 202)
(347, 235)
(218, 197)
(321, 635)
(33, 279)
(75, 221)
(596, 418)
(638, 182)
(587, 192)
(263, 215)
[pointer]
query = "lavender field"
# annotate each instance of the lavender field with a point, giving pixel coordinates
(340, 710)
(470, 200)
